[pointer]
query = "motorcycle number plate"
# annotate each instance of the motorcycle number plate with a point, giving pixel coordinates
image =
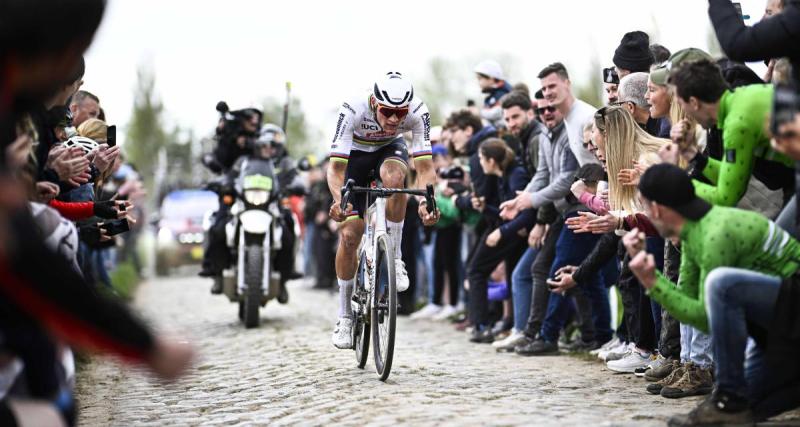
(258, 182)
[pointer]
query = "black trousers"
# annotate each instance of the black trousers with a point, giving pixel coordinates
(447, 263)
(637, 315)
(669, 345)
(540, 297)
(484, 261)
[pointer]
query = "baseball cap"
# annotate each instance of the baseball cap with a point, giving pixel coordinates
(491, 69)
(670, 186)
(660, 75)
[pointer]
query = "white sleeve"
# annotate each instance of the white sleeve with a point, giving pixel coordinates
(343, 138)
(421, 133)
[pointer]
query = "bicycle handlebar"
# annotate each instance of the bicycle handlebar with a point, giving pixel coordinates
(350, 187)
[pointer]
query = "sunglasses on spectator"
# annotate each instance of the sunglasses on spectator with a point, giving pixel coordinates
(589, 143)
(549, 109)
(388, 112)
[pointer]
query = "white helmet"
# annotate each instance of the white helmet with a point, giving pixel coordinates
(86, 144)
(393, 90)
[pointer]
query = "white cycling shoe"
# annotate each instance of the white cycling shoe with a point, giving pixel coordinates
(402, 275)
(343, 334)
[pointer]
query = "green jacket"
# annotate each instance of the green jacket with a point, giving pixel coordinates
(742, 119)
(724, 237)
(452, 215)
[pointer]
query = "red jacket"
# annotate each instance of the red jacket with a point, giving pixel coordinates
(73, 211)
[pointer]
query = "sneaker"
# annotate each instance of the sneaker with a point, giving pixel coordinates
(445, 313)
(510, 342)
(659, 371)
(481, 336)
(618, 353)
(639, 372)
(719, 409)
(503, 327)
(426, 312)
(537, 347)
(696, 381)
(614, 342)
(402, 275)
(629, 363)
(343, 333)
(581, 346)
(674, 376)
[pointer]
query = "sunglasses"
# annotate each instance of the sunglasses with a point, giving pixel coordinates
(548, 109)
(388, 112)
(589, 143)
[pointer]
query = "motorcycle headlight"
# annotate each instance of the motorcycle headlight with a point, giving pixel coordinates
(256, 197)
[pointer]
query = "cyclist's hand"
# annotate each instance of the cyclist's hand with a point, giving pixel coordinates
(336, 213)
(428, 219)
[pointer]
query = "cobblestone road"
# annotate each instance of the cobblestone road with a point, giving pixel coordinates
(286, 373)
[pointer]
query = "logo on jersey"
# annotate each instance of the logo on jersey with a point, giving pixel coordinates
(366, 126)
(346, 105)
(426, 126)
(338, 127)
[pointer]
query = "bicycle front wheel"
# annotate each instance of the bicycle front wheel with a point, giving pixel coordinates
(384, 308)
(361, 318)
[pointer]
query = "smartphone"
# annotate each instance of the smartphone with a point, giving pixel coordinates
(115, 227)
(111, 136)
(785, 105)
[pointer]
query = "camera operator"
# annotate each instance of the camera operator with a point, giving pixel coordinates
(235, 135)
(272, 143)
(775, 37)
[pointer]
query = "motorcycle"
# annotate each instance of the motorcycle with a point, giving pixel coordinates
(253, 236)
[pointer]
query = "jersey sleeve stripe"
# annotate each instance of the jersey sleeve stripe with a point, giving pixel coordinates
(338, 157)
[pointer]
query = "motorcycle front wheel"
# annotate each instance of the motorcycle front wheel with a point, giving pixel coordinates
(250, 302)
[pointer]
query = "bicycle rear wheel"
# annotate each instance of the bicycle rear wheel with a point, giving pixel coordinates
(361, 317)
(384, 308)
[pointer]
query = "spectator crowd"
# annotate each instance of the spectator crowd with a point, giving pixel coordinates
(69, 207)
(657, 232)
(639, 231)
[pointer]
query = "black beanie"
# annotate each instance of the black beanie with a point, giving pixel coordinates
(633, 53)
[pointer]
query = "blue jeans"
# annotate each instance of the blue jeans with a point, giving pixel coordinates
(522, 288)
(734, 299)
(571, 249)
(695, 346)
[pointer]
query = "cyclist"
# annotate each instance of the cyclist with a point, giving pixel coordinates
(369, 140)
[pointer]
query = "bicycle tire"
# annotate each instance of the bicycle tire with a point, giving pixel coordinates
(361, 326)
(384, 308)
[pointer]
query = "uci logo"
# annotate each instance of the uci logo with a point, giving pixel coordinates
(366, 126)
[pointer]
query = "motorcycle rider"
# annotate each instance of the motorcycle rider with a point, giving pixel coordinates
(234, 137)
(369, 139)
(271, 144)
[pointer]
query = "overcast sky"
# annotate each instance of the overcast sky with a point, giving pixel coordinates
(243, 51)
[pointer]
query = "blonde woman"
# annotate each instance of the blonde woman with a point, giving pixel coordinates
(104, 157)
(626, 150)
(661, 98)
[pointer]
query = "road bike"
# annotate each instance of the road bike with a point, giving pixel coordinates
(375, 307)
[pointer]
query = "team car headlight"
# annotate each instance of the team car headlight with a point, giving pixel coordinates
(256, 197)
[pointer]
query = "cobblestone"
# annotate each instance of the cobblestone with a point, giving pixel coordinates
(286, 372)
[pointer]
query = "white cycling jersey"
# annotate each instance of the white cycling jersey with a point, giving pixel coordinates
(357, 129)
